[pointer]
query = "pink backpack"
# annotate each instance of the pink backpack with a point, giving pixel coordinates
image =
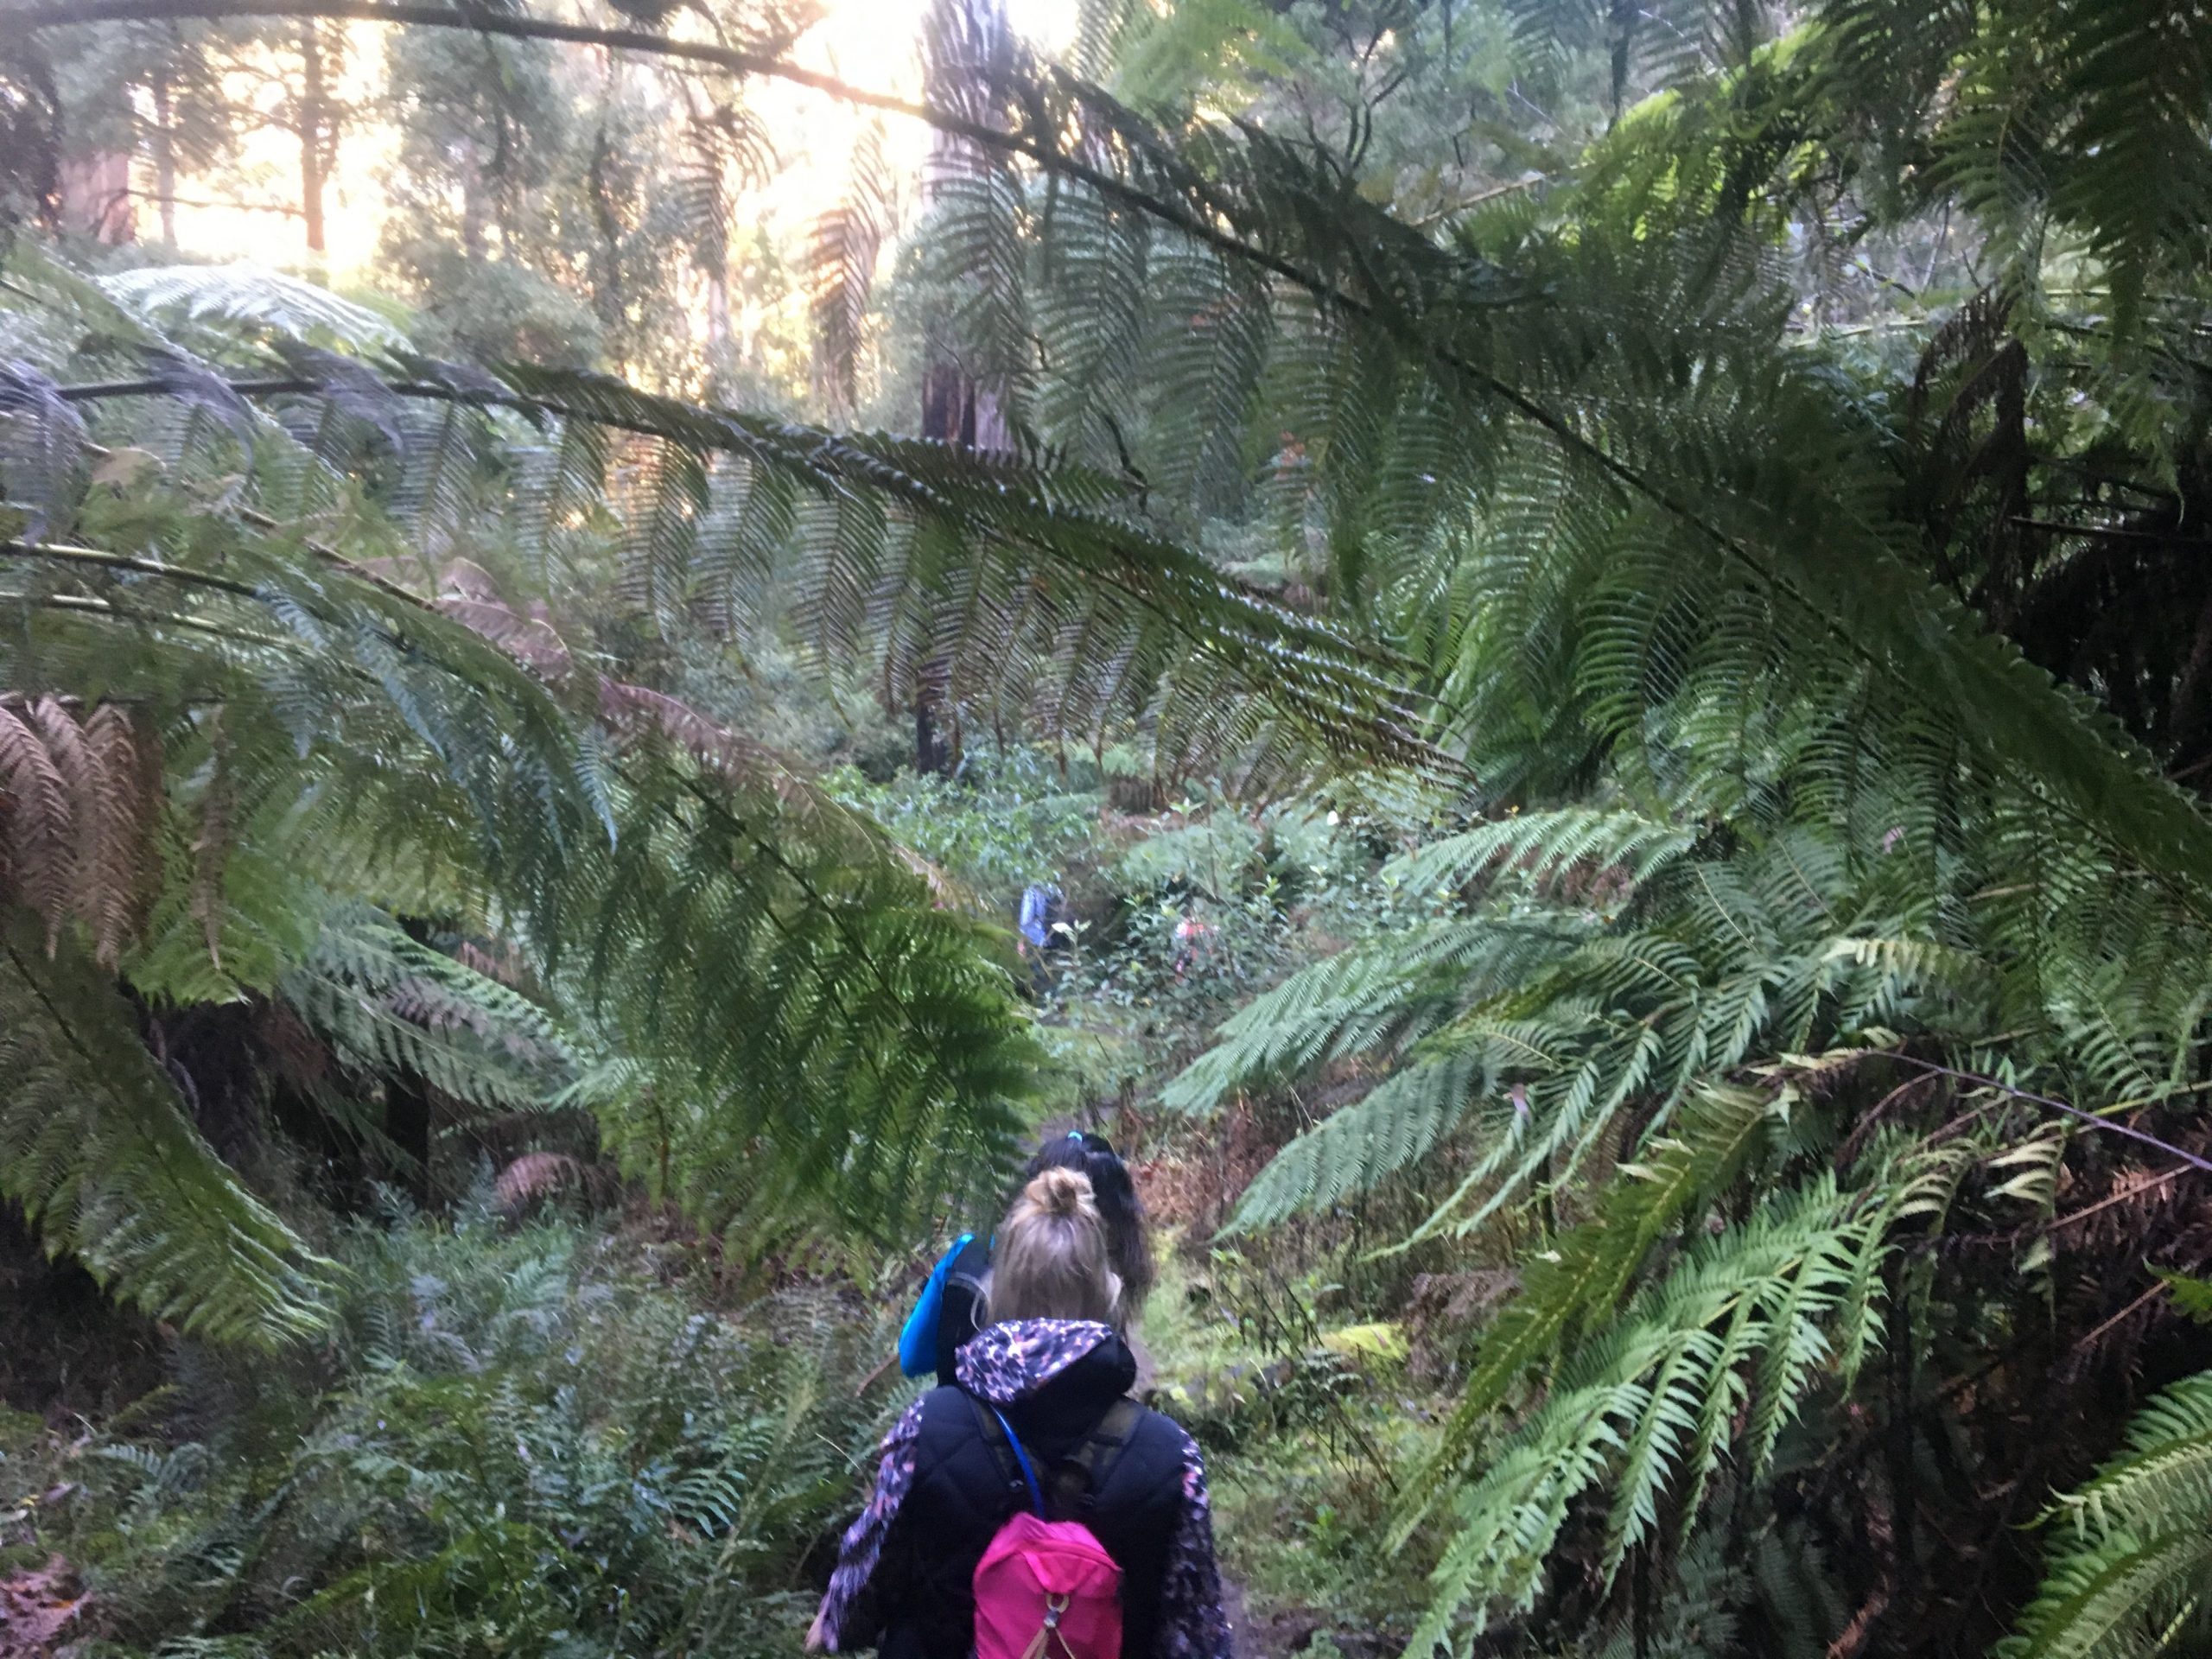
(1046, 1589)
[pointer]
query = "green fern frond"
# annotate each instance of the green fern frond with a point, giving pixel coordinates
(1396, 1125)
(1744, 1320)
(1362, 1000)
(389, 1003)
(2130, 1571)
(1540, 847)
(95, 1146)
(234, 300)
(1580, 1279)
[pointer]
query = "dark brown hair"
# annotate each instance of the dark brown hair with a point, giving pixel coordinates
(1129, 1236)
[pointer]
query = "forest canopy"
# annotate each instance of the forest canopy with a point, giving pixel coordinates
(1595, 616)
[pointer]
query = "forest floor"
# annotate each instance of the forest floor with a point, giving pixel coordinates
(1303, 1408)
(38, 1611)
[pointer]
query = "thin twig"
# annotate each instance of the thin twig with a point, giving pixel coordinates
(2117, 1198)
(2088, 1117)
(2159, 1289)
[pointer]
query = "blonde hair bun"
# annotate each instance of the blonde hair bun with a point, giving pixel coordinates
(1051, 1260)
(1063, 1192)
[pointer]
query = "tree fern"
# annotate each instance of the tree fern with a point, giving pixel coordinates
(96, 1147)
(1365, 1000)
(1394, 1126)
(1582, 1278)
(2132, 1553)
(1568, 1017)
(224, 299)
(388, 1003)
(1543, 846)
(847, 241)
(1744, 1323)
(325, 732)
(1800, 517)
(348, 736)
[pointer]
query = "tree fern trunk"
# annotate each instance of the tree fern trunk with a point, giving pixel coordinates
(407, 1122)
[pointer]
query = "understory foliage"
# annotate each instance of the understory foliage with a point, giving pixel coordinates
(1781, 1031)
(510, 1436)
(282, 697)
(2131, 1569)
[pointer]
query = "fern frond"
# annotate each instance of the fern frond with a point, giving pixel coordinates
(41, 448)
(846, 243)
(1541, 847)
(748, 942)
(39, 850)
(1364, 1000)
(1396, 1125)
(1580, 1279)
(229, 300)
(95, 1147)
(2131, 1571)
(388, 1003)
(77, 809)
(1648, 1401)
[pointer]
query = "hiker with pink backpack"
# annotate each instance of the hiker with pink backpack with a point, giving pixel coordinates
(1033, 1510)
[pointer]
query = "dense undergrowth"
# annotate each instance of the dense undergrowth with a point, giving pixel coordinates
(547, 1419)
(1599, 611)
(519, 1437)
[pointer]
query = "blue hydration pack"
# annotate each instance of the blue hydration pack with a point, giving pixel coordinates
(1039, 905)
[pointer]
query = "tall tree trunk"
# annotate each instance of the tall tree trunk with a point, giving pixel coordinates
(165, 156)
(474, 211)
(606, 255)
(964, 37)
(315, 123)
(949, 416)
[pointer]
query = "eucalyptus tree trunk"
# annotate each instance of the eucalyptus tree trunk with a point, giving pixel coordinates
(315, 125)
(965, 35)
(165, 156)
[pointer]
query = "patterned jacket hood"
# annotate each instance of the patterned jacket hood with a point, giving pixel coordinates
(1011, 1363)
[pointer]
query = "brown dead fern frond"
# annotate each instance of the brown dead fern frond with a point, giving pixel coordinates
(125, 861)
(37, 821)
(533, 1176)
(77, 804)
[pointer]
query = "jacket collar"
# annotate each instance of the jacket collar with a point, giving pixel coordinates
(1007, 1364)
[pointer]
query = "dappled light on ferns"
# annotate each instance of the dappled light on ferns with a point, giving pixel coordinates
(1830, 905)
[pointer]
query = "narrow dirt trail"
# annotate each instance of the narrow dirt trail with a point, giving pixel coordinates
(1240, 1619)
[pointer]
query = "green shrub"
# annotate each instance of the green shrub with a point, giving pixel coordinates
(520, 1441)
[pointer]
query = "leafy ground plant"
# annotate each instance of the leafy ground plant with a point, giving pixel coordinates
(518, 1439)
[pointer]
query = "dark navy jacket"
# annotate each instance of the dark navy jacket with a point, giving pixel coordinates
(905, 1571)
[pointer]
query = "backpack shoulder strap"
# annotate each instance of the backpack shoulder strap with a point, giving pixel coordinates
(1079, 1478)
(970, 1267)
(1013, 1464)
